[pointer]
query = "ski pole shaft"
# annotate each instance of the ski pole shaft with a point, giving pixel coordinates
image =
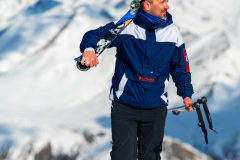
(177, 110)
(181, 108)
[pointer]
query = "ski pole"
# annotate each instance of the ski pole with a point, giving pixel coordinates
(196, 106)
(177, 110)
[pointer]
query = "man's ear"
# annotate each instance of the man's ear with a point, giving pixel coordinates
(146, 5)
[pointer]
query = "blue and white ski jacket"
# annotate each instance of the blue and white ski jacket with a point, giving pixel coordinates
(146, 56)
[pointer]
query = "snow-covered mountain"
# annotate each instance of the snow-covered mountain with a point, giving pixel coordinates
(48, 107)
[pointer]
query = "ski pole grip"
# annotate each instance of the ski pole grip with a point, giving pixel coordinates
(196, 105)
(204, 100)
(79, 64)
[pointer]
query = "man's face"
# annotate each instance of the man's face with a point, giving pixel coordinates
(158, 8)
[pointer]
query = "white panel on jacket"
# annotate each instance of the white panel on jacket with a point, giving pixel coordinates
(166, 84)
(135, 30)
(169, 34)
(121, 86)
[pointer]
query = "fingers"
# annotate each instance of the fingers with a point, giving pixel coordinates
(188, 104)
(89, 59)
(88, 62)
(189, 108)
(92, 63)
(96, 62)
(83, 60)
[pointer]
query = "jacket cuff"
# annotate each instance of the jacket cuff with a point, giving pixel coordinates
(187, 95)
(89, 49)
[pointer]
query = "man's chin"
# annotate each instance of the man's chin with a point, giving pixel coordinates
(164, 16)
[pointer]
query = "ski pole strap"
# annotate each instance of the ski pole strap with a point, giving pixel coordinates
(201, 124)
(208, 116)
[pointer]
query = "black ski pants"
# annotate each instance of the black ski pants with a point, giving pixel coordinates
(137, 133)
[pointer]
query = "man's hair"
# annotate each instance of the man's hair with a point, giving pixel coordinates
(141, 6)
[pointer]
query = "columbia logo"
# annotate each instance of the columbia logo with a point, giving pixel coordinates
(146, 79)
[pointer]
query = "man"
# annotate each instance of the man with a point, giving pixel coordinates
(148, 50)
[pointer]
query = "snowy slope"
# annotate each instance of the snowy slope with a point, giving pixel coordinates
(45, 99)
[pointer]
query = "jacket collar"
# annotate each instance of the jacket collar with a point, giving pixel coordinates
(150, 22)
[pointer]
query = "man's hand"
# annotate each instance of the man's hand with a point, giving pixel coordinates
(89, 58)
(188, 104)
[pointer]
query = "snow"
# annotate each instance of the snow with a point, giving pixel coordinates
(44, 98)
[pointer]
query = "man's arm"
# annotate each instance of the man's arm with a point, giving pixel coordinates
(180, 72)
(89, 44)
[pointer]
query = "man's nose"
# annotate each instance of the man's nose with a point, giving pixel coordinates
(166, 6)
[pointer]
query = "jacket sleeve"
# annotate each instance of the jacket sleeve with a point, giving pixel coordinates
(91, 37)
(180, 72)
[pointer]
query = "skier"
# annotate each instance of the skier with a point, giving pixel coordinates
(148, 51)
